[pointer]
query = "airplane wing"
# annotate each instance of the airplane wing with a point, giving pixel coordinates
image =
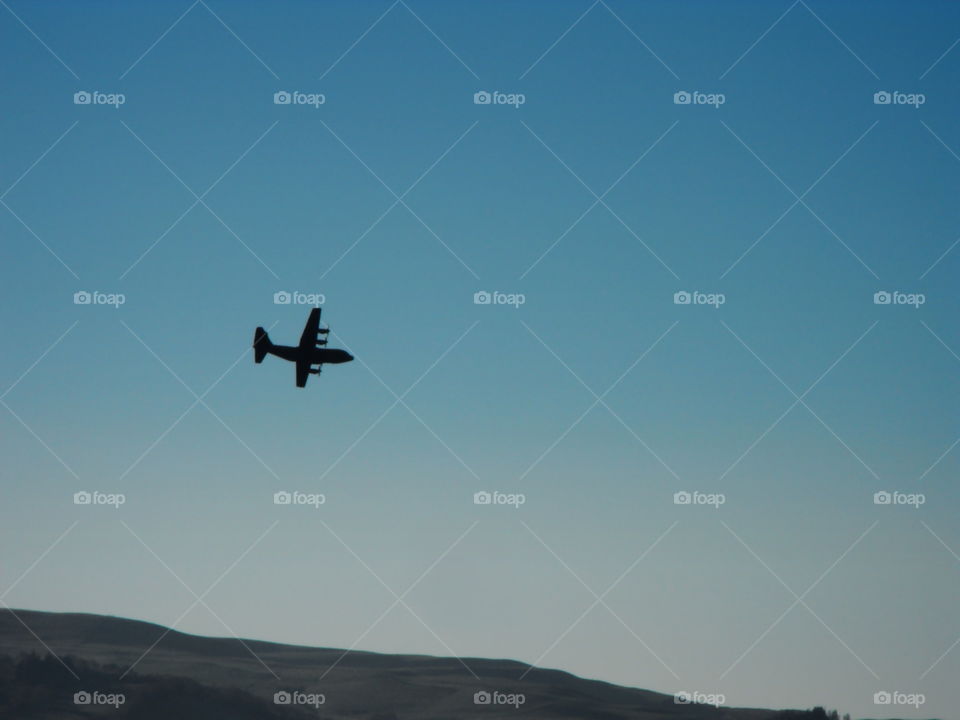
(310, 331)
(303, 372)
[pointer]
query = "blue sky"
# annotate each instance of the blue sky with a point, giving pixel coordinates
(597, 199)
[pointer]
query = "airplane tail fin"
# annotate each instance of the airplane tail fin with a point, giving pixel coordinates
(261, 344)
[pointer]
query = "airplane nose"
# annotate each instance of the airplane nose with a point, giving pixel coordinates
(348, 356)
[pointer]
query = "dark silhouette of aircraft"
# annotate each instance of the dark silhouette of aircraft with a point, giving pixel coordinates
(311, 351)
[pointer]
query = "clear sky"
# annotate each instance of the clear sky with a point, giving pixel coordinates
(598, 198)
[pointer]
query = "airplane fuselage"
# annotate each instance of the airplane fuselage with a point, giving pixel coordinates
(315, 355)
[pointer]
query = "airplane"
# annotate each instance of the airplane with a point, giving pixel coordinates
(311, 351)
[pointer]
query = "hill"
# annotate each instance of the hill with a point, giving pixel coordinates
(187, 676)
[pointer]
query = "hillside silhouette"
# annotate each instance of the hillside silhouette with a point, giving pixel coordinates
(188, 676)
(34, 687)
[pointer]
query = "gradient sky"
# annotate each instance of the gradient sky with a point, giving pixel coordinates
(305, 198)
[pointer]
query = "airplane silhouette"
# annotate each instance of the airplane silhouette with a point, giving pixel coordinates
(311, 350)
